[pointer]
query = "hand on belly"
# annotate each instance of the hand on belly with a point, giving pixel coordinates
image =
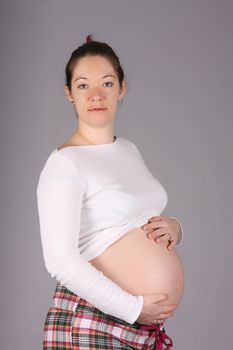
(141, 266)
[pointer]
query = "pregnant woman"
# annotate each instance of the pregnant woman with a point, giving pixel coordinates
(103, 237)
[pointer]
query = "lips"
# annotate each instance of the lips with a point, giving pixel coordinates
(97, 109)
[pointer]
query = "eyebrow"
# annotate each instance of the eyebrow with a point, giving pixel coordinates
(105, 76)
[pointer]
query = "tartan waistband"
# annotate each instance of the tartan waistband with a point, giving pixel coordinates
(65, 299)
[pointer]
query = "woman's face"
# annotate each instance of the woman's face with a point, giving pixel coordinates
(95, 85)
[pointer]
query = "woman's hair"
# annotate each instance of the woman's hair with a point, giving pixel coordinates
(93, 48)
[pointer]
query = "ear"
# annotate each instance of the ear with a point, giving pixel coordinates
(68, 93)
(122, 90)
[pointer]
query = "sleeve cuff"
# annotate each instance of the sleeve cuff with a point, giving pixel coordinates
(134, 316)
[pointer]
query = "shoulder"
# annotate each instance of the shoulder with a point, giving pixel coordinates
(59, 167)
(131, 146)
(127, 142)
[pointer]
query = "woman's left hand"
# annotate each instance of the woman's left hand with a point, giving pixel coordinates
(163, 226)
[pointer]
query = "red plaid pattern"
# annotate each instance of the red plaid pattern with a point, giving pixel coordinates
(73, 323)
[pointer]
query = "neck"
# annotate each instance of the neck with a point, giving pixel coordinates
(88, 139)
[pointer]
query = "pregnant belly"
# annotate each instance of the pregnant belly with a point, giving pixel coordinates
(141, 266)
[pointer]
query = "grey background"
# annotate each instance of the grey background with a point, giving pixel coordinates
(177, 57)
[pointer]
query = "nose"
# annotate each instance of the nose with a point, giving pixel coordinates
(96, 95)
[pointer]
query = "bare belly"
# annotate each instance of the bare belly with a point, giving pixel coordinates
(141, 266)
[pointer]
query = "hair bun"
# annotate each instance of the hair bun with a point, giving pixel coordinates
(89, 38)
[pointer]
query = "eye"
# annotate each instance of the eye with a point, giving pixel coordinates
(81, 85)
(109, 82)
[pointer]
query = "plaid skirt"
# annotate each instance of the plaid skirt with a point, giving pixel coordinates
(73, 323)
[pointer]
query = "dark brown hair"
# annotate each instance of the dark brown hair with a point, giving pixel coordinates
(93, 48)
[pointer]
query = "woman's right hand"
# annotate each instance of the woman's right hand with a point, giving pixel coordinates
(155, 309)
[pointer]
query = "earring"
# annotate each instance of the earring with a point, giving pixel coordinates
(120, 102)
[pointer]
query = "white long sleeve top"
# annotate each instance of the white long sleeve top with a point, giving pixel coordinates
(88, 197)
